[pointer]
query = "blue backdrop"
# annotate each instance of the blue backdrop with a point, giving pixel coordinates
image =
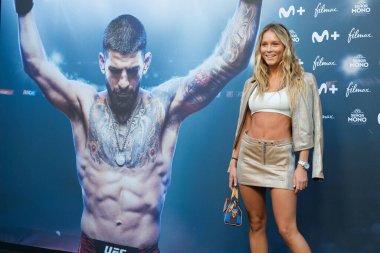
(336, 40)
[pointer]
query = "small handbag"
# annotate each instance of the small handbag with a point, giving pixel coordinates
(232, 212)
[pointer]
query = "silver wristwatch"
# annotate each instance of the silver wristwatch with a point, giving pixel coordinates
(304, 164)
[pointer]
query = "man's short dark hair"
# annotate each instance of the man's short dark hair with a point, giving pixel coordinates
(124, 34)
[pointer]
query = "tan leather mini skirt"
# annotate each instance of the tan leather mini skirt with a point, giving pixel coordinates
(266, 163)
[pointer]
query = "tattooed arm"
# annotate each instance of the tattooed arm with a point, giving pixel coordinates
(201, 85)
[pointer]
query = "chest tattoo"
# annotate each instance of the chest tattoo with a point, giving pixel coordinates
(129, 144)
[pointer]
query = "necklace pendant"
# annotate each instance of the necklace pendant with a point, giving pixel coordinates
(120, 159)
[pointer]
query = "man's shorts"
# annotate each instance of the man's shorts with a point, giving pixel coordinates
(89, 245)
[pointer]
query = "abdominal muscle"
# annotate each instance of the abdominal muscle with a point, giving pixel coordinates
(123, 205)
(270, 126)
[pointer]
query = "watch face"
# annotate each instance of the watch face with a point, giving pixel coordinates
(304, 164)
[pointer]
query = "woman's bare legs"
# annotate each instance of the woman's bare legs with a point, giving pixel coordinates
(284, 203)
(254, 202)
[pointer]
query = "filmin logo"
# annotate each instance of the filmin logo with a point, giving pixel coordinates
(325, 35)
(285, 13)
(357, 117)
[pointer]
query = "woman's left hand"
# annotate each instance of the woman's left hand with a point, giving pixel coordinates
(300, 179)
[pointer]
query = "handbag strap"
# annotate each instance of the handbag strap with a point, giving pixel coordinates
(235, 194)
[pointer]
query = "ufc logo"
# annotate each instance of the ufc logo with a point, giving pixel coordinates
(109, 249)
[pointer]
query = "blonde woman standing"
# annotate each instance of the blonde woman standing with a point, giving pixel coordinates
(280, 115)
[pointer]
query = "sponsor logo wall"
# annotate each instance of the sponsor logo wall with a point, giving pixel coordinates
(338, 42)
(338, 46)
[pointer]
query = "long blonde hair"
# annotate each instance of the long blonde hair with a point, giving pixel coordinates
(292, 71)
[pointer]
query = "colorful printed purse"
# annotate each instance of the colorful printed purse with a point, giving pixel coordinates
(232, 212)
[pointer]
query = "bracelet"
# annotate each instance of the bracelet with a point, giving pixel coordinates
(234, 158)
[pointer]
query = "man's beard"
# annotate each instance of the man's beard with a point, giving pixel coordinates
(122, 101)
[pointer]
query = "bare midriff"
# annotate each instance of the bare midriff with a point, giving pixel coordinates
(270, 126)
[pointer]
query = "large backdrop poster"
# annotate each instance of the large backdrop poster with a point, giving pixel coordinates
(41, 202)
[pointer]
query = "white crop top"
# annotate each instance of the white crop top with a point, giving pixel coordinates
(276, 101)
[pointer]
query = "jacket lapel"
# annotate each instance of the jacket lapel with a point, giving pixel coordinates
(247, 91)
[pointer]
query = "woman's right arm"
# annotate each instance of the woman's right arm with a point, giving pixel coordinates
(235, 152)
